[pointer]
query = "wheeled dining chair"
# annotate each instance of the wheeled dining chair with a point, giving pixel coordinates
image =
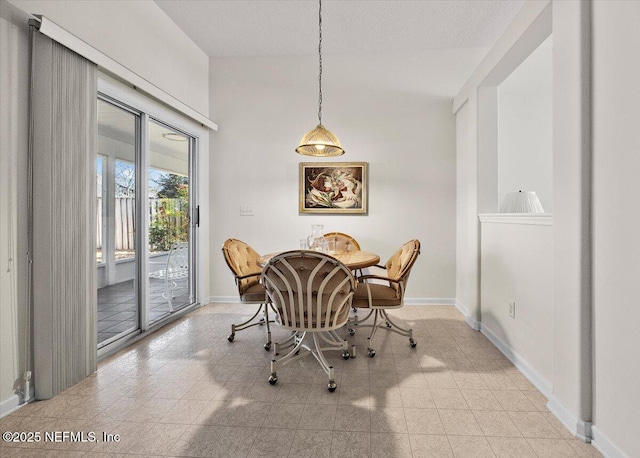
(388, 294)
(312, 294)
(344, 242)
(243, 262)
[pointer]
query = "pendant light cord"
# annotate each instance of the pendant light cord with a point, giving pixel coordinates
(320, 64)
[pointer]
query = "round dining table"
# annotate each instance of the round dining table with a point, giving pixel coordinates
(354, 260)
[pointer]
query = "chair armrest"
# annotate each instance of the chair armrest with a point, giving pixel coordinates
(243, 277)
(364, 278)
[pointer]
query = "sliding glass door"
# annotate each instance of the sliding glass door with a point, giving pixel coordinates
(145, 235)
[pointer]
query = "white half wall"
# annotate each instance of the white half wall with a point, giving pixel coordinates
(265, 105)
(616, 226)
(138, 35)
(517, 265)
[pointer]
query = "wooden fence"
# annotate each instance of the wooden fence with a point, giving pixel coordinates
(125, 220)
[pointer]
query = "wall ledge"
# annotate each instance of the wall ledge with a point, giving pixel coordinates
(535, 219)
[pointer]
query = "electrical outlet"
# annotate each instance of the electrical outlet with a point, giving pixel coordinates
(246, 210)
(512, 309)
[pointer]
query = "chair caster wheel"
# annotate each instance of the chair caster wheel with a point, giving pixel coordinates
(231, 337)
(388, 324)
(273, 379)
(413, 343)
(267, 346)
(332, 386)
(297, 353)
(346, 355)
(352, 331)
(372, 353)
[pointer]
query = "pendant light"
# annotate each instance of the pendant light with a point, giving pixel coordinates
(320, 142)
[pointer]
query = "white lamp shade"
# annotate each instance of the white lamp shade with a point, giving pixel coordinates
(521, 202)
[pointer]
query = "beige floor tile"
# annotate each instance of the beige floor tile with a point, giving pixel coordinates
(180, 393)
(184, 411)
(383, 378)
(352, 418)
(511, 447)
(250, 413)
(388, 420)
(354, 395)
(387, 396)
(411, 379)
(496, 423)
(423, 421)
(441, 379)
(311, 444)
(428, 446)
(350, 445)
(459, 423)
(284, 416)
(272, 443)
(513, 400)
(551, 447)
(481, 400)
(448, 398)
(534, 425)
(562, 431)
(317, 416)
(158, 439)
(386, 445)
(291, 393)
(351, 377)
(470, 447)
(469, 381)
(498, 381)
(216, 413)
(419, 398)
(538, 400)
(583, 449)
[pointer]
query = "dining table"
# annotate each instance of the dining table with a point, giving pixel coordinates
(353, 259)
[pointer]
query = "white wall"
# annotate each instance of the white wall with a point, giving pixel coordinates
(616, 226)
(128, 33)
(525, 105)
(517, 265)
(265, 105)
(138, 35)
(467, 215)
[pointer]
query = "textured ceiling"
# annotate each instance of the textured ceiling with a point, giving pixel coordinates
(224, 28)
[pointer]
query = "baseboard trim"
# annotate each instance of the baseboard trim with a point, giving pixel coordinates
(15, 402)
(473, 324)
(579, 428)
(605, 445)
(518, 361)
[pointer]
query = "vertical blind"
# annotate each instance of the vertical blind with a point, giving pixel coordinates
(64, 145)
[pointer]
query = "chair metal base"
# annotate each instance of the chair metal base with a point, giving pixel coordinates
(297, 342)
(264, 308)
(388, 324)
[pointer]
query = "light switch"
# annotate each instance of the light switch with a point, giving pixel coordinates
(246, 210)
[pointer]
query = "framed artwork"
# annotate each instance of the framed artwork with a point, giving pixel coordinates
(333, 187)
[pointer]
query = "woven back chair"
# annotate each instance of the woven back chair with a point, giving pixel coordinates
(312, 294)
(343, 242)
(243, 263)
(386, 291)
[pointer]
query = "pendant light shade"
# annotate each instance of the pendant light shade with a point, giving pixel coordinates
(320, 142)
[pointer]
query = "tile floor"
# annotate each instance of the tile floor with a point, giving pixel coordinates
(187, 391)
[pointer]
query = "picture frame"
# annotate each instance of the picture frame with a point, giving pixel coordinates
(333, 187)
